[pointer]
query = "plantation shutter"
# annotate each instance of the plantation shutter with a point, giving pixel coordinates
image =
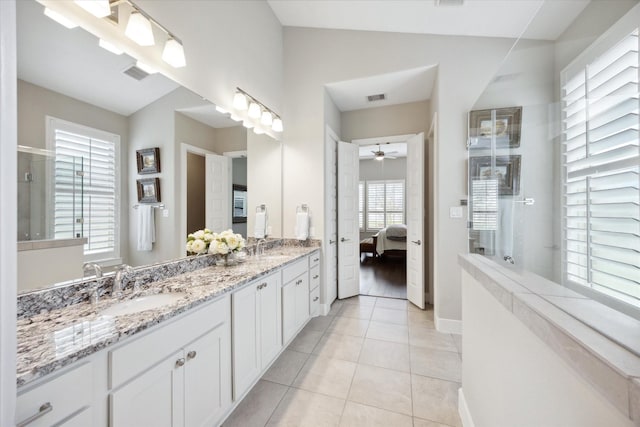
(602, 172)
(89, 157)
(384, 203)
(484, 204)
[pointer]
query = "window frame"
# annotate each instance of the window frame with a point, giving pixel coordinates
(51, 125)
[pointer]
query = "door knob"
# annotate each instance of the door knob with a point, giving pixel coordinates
(344, 240)
(417, 242)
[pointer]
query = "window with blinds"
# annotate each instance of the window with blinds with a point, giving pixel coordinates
(384, 204)
(484, 203)
(602, 172)
(85, 187)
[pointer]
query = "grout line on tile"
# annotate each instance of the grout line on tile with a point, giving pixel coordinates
(277, 406)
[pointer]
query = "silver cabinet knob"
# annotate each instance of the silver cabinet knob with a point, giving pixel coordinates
(417, 242)
(191, 355)
(180, 362)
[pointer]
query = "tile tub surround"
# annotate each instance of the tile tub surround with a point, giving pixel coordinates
(611, 364)
(50, 340)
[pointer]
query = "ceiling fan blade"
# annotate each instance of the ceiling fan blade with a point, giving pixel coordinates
(390, 157)
(390, 152)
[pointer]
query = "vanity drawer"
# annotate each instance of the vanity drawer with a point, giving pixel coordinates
(294, 270)
(314, 301)
(314, 259)
(314, 277)
(139, 354)
(65, 394)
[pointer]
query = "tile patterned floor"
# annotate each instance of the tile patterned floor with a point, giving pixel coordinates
(371, 362)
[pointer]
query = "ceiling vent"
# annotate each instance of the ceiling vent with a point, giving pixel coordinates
(449, 2)
(378, 97)
(136, 73)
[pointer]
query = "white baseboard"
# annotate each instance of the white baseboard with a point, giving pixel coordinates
(448, 326)
(463, 410)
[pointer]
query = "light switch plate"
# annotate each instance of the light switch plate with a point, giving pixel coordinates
(455, 212)
(165, 213)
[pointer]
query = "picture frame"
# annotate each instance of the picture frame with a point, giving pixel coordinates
(507, 128)
(239, 206)
(149, 190)
(507, 171)
(148, 160)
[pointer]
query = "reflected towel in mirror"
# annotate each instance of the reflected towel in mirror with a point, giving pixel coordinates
(146, 228)
(260, 226)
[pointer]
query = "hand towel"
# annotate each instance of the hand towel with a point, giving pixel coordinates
(302, 225)
(146, 228)
(260, 226)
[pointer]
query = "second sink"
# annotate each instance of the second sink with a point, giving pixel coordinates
(142, 303)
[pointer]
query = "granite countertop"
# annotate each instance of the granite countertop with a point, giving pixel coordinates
(55, 338)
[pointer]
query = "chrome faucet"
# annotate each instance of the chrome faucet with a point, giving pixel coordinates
(260, 249)
(508, 259)
(121, 271)
(97, 270)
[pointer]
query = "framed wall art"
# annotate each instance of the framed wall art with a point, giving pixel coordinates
(506, 171)
(148, 160)
(149, 190)
(505, 128)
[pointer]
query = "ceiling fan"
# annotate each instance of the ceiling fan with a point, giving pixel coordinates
(381, 155)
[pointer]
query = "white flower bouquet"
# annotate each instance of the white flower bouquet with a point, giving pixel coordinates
(206, 241)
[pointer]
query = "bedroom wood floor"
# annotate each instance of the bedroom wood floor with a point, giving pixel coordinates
(383, 277)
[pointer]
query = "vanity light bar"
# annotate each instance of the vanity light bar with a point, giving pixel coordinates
(256, 110)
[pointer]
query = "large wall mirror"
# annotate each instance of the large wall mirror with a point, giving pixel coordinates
(83, 112)
(574, 215)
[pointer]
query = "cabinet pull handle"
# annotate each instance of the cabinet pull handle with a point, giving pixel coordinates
(44, 409)
(316, 299)
(316, 260)
(316, 276)
(180, 362)
(298, 281)
(191, 355)
(264, 285)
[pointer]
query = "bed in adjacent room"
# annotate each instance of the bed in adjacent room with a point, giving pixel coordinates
(392, 240)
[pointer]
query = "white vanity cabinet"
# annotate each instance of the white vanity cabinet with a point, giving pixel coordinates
(314, 284)
(257, 338)
(62, 401)
(295, 298)
(191, 383)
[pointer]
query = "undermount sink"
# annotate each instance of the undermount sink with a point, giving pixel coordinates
(142, 303)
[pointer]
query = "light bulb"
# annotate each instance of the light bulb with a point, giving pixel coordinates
(277, 125)
(254, 110)
(266, 119)
(98, 8)
(59, 18)
(240, 102)
(173, 54)
(139, 29)
(108, 46)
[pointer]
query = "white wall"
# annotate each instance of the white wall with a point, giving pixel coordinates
(401, 119)
(315, 57)
(371, 169)
(510, 377)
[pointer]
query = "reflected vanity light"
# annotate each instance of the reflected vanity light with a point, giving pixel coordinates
(247, 124)
(219, 109)
(98, 8)
(110, 47)
(173, 53)
(59, 18)
(139, 29)
(235, 118)
(258, 130)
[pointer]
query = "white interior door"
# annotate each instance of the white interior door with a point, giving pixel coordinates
(218, 193)
(348, 227)
(415, 220)
(330, 260)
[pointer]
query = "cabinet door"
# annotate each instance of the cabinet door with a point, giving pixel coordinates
(207, 377)
(302, 299)
(81, 419)
(246, 350)
(289, 325)
(155, 398)
(270, 324)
